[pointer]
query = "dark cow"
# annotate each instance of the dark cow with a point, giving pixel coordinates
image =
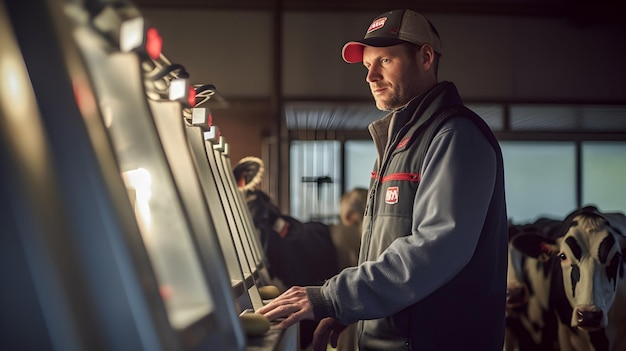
(299, 253)
(588, 288)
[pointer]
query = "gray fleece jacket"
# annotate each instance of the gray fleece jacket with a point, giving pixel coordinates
(432, 264)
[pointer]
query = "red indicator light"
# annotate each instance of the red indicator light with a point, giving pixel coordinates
(191, 97)
(84, 97)
(154, 43)
(166, 292)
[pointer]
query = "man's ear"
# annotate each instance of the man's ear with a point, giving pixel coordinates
(428, 56)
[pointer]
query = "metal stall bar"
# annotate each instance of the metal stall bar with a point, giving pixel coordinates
(245, 253)
(242, 210)
(208, 181)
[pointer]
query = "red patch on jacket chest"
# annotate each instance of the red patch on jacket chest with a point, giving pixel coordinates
(402, 143)
(391, 197)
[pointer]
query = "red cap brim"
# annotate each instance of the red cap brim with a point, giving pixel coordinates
(352, 52)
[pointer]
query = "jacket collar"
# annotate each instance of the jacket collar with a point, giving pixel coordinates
(418, 110)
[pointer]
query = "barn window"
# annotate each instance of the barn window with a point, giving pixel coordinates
(316, 178)
(603, 170)
(540, 178)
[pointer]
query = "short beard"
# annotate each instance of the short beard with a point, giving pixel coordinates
(388, 106)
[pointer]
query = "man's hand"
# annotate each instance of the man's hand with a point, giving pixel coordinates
(327, 330)
(293, 304)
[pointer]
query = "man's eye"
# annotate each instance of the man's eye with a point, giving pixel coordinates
(384, 60)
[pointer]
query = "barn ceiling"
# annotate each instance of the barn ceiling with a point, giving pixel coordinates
(579, 10)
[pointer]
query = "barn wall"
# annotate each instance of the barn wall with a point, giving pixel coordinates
(488, 57)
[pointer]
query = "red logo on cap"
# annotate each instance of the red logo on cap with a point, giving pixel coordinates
(377, 24)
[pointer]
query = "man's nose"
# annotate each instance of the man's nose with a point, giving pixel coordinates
(372, 76)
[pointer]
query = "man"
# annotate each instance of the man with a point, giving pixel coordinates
(433, 257)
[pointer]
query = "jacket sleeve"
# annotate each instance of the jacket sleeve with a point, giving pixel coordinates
(450, 206)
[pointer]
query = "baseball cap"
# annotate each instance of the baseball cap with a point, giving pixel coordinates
(393, 28)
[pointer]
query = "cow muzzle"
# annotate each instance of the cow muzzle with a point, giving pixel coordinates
(588, 319)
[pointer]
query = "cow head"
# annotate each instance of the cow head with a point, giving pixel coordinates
(529, 317)
(264, 212)
(592, 265)
(528, 277)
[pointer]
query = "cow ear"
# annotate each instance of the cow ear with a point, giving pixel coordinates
(535, 245)
(617, 222)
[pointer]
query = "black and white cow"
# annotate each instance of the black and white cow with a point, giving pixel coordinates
(530, 322)
(588, 292)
